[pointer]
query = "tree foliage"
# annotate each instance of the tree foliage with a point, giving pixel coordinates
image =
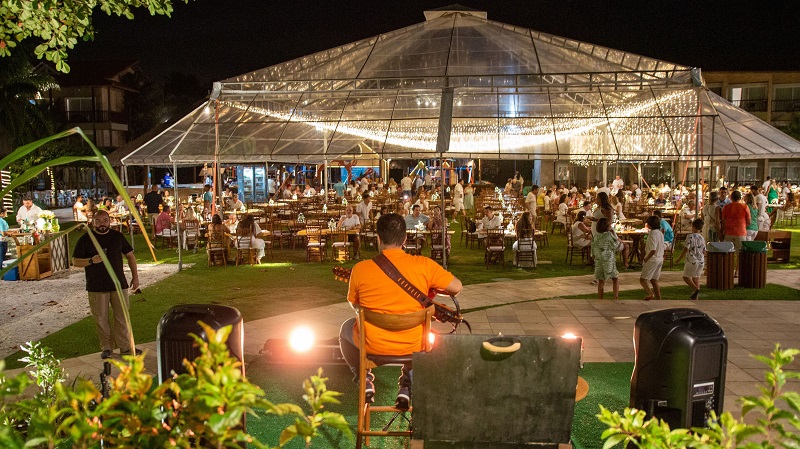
(58, 24)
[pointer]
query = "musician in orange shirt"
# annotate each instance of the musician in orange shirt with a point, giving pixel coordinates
(372, 288)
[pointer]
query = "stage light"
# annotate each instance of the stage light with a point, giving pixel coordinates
(569, 336)
(301, 339)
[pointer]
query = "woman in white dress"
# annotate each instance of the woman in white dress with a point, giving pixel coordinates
(563, 209)
(248, 227)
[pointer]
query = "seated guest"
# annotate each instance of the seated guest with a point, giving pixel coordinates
(436, 224)
(384, 210)
(524, 229)
(581, 230)
(563, 209)
(231, 223)
(422, 202)
(687, 216)
(247, 233)
(309, 191)
(234, 203)
(660, 201)
(489, 221)
(415, 218)
(348, 222)
(666, 228)
(79, 209)
(119, 205)
(216, 224)
(163, 221)
(107, 205)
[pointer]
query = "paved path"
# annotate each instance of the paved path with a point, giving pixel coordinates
(518, 307)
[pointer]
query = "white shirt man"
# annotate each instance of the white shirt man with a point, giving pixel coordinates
(364, 208)
(119, 205)
(28, 211)
(418, 182)
(604, 189)
(428, 179)
(271, 186)
(458, 197)
(618, 184)
(530, 201)
(766, 184)
(80, 209)
(405, 185)
(489, 221)
(309, 191)
(349, 220)
(637, 192)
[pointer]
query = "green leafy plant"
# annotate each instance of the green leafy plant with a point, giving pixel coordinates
(58, 23)
(203, 407)
(777, 424)
(34, 171)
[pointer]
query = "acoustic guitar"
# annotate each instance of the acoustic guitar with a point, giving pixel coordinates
(442, 313)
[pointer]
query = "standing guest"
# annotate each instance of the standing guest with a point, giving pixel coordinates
(469, 197)
(348, 222)
(28, 211)
(723, 197)
(735, 218)
(3, 230)
(618, 184)
(418, 183)
(364, 209)
(208, 197)
(428, 180)
(711, 218)
(766, 184)
(458, 200)
(152, 200)
(618, 202)
(531, 201)
(752, 225)
(603, 209)
(405, 186)
(653, 259)
(373, 289)
(604, 251)
(694, 250)
(79, 209)
(100, 285)
(764, 223)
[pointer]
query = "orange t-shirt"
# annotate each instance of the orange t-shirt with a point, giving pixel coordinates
(736, 217)
(370, 287)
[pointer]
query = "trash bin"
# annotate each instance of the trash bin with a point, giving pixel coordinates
(175, 344)
(719, 266)
(679, 374)
(753, 265)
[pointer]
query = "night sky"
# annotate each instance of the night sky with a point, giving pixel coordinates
(217, 39)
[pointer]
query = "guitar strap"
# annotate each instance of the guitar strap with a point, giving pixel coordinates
(388, 267)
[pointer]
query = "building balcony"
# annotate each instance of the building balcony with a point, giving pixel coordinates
(786, 105)
(94, 117)
(751, 105)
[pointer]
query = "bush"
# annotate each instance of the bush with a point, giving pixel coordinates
(777, 421)
(201, 408)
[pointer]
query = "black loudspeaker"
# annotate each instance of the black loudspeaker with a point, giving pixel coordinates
(175, 344)
(679, 375)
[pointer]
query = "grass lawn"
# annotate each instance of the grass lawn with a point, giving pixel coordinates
(288, 283)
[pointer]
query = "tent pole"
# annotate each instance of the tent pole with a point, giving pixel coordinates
(215, 180)
(325, 181)
(177, 216)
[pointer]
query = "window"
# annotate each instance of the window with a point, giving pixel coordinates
(749, 98)
(716, 88)
(787, 99)
(742, 173)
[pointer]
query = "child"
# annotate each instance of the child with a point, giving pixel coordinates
(695, 258)
(604, 250)
(653, 258)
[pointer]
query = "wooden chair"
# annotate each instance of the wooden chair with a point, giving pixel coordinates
(369, 236)
(340, 246)
(315, 246)
(191, 234)
(391, 323)
(245, 253)
(584, 251)
(438, 249)
(525, 256)
(495, 247)
(469, 237)
(217, 248)
(413, 244)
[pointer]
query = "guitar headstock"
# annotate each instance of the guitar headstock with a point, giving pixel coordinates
(342, 273)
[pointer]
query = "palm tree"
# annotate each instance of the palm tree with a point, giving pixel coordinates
(22, 120)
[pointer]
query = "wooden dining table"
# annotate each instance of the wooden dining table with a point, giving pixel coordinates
(636, 236)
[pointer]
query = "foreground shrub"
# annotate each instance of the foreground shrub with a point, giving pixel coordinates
(204, 407)
(776, 411)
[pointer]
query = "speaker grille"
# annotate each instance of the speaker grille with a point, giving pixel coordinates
(707, 362)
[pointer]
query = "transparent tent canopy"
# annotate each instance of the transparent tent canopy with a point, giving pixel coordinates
(460, 85)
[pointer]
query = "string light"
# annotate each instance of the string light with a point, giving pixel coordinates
(664, 125)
